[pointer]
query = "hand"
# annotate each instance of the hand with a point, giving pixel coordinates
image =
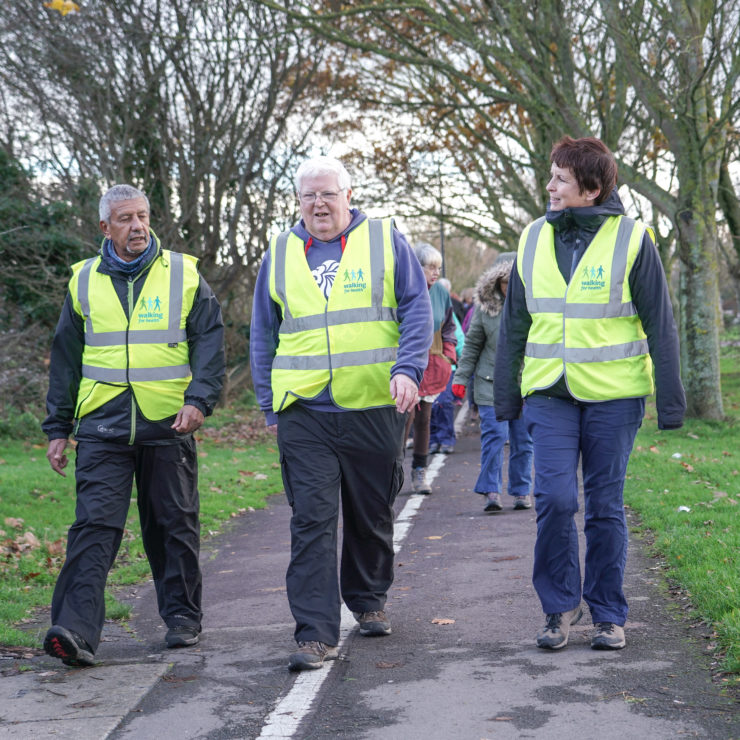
(272, 428)
(56, 457)
(188, 419)
(458, 390)
(404, 391)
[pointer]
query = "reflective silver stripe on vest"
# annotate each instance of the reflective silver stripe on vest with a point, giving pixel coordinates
(614, 308)
(342, 359)
(536, 305)
(177, 270)
(587, 354)
(377, 260)
(83, 295)
(335, 318)
(281, 248)
(134, 375)
(141, 336)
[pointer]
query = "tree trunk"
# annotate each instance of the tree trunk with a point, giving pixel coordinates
(699, 318)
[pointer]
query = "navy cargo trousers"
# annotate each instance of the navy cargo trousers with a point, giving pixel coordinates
(601, 435)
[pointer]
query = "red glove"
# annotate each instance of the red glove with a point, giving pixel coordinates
(458, 390)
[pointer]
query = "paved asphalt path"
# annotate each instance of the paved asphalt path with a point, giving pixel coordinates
(460, 664)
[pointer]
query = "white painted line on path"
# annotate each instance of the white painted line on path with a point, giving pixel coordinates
(284, 720)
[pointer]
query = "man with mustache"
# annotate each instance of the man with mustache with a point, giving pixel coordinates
(137, 362)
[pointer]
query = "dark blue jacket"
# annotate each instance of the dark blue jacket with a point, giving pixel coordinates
(574, 230)
(112, 422)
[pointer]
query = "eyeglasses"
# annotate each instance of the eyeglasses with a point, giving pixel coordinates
(327, 196)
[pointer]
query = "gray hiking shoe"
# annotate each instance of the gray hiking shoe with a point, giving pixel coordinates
(608, 636)
(311, 655)
(493, 502)
(554, 635)
(419, 480)
(522, 502)
(182, 636)
(373, 624)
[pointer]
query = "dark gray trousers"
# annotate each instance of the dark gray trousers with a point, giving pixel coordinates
(167, 498)
(355, 455)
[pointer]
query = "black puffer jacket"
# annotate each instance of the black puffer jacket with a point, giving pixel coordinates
(574, 230)
(113, 422)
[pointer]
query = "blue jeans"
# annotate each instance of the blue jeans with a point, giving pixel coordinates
(442, 423)
(601, 435)
(493, 436)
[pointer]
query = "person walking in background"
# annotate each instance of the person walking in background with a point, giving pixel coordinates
(442, 357)
(442, 436)
(466, 296)
(478, 361)
(588, 316)
(341, 326)
(137, 362)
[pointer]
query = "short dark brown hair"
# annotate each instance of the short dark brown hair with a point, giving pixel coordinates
(591, 162)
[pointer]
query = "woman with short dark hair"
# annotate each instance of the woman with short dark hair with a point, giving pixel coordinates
(586, 319)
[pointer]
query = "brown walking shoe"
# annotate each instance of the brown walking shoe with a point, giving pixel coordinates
(310, 655)
(554, 635)
(373, 624)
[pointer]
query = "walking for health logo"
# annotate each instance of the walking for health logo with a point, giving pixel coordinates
(592, 277)
(354, 280)
(150, 310)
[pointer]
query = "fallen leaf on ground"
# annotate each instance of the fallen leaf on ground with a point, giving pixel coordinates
(57, 547)
(439, 620)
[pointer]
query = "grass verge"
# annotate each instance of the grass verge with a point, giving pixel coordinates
(684, 486)
(238, 469)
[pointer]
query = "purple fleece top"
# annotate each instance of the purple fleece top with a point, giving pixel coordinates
(414, 314)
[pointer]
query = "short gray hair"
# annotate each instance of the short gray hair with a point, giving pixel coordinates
(445, 283)
(317, 166)
(116, 194)
(427, 254)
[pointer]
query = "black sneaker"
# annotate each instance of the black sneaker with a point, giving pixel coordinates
(183, 636)
(373, 624)
(311, 655)
(554, 635)
(608, 636)
(68, 646)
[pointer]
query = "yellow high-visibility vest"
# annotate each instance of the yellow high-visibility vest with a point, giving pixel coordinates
(349, 342)
(587, 329)
(148, 352)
